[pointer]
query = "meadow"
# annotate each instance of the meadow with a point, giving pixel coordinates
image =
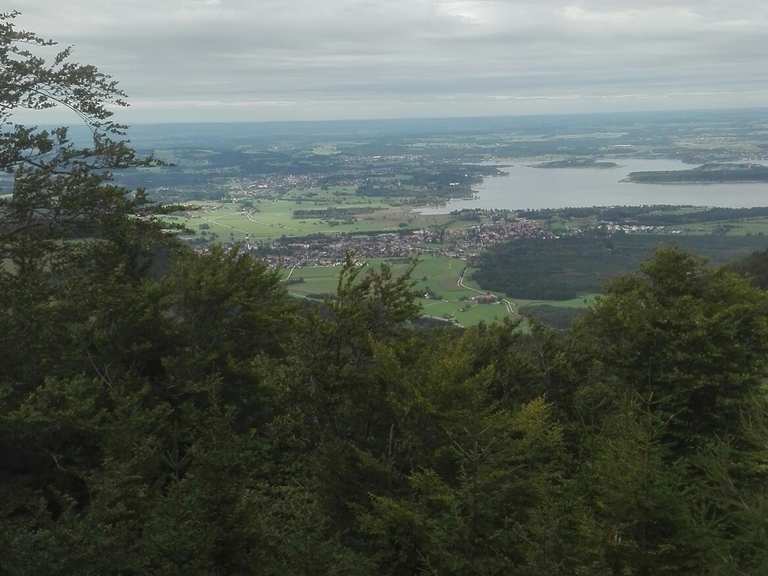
(436, 276)
(270, 218)
(735, 227)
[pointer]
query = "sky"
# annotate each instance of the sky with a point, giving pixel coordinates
(261, 60)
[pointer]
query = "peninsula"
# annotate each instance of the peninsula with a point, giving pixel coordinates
(576, 163)
(707, 174)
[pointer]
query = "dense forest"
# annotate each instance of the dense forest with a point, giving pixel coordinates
(168, 412)
(573, 266)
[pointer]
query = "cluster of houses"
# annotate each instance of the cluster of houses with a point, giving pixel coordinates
(330, 250)
(469, 242)
(271, 186)
(612, 228)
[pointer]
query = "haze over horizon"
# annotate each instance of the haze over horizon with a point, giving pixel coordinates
(234, 60)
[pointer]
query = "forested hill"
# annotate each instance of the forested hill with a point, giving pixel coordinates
(200, 422)
(573, 266)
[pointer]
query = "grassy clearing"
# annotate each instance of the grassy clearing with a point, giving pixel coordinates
(266, 219)
(437, 274)
(325, 150)
(747, 226)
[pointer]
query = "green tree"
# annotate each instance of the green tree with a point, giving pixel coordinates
(64, 224)
(691, 341)
(60, 188)
(678, 364)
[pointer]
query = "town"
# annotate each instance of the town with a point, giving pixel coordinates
(331, 250)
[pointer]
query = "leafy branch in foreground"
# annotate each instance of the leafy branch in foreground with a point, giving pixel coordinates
(60, 188)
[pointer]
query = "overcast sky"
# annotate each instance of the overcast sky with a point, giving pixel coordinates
(224, 60)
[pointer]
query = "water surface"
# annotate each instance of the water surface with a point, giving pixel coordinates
(532, 188)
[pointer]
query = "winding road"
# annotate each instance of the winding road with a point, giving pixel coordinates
(511, 309)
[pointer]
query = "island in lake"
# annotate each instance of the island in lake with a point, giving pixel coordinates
(706, 174)
(576, 163)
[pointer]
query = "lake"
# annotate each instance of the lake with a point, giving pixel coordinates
(533, 188)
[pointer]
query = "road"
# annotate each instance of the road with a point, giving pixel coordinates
(511, 308)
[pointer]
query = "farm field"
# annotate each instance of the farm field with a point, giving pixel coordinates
(266, 219)
(436, 274)
(740, 227)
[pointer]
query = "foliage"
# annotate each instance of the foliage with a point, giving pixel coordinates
(61, 190)
(754, 267)
(557, 317)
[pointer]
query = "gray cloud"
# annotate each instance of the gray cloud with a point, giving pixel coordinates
(312, 59)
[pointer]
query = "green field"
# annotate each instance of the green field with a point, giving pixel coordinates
(272, 218)
(741, 227)
(436, 273)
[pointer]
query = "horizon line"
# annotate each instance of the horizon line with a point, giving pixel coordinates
(753, 109)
